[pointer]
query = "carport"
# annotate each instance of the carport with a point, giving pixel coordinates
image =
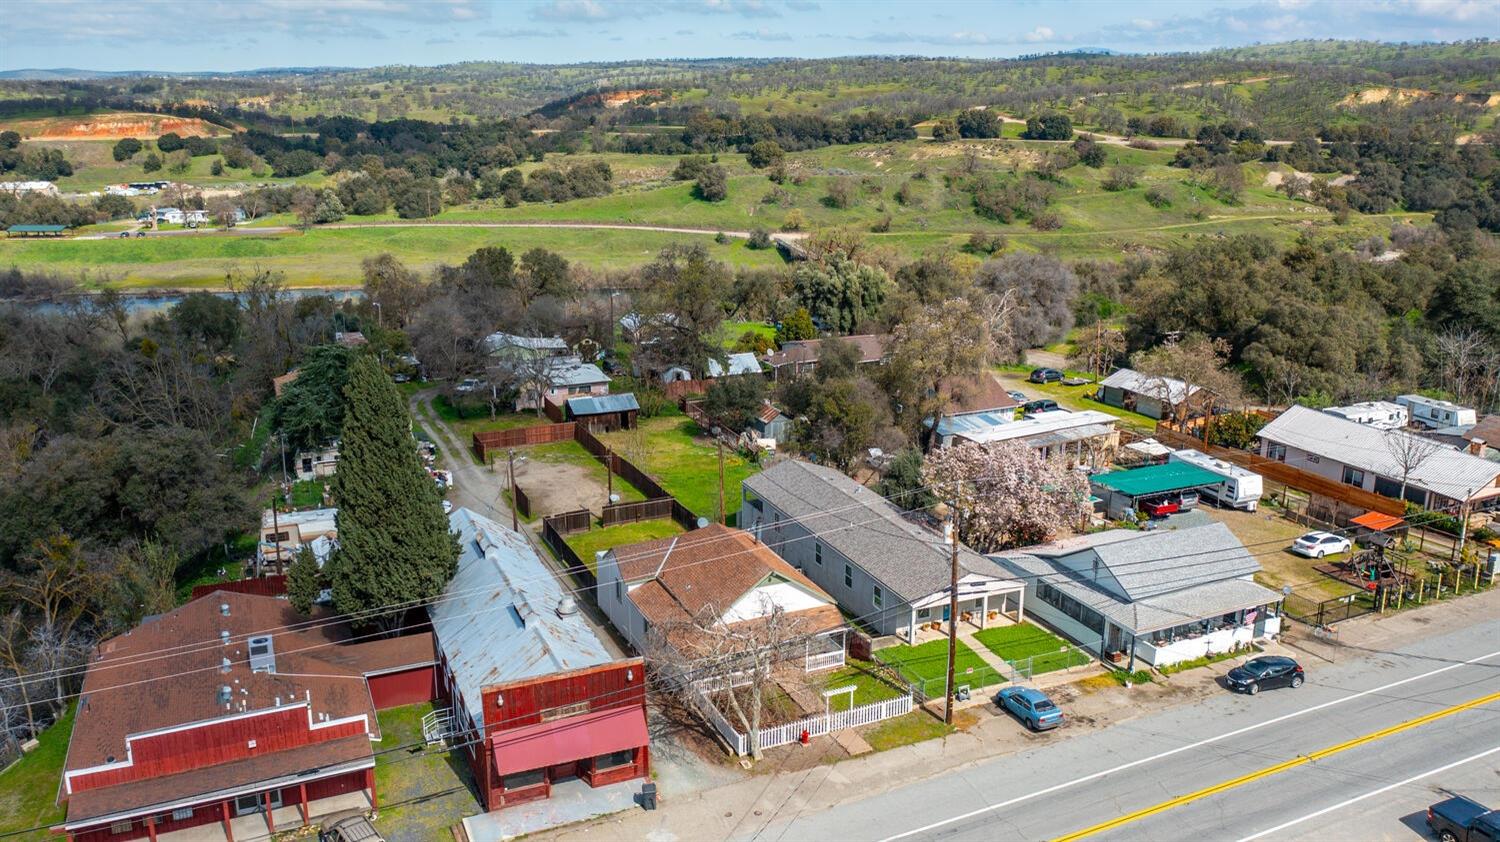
(1122, 491)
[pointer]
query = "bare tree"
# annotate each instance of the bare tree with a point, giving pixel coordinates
(15, 658)
(1409, 452)
(1461, 354)
(1201, 364)
(732, 664)
(1098, 351)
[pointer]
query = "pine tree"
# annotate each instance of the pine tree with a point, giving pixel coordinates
(303, 580)
(394, 543)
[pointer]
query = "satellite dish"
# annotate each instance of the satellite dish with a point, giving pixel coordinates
(702, 522)
(614, 498)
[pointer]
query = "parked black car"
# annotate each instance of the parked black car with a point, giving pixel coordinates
(1257, 674)
(1461, 819)
(1041, 405)
(1045, 375)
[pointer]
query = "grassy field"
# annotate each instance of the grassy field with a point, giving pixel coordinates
(926, 664)
(669, 449)
(607, 538)
(1095, 223)
(915, 727)
(28, 789)
(868, 686)
(1069, 397)
(423, 790)
(1046, 651)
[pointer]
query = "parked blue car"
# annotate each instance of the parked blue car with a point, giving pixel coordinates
(1031, 707)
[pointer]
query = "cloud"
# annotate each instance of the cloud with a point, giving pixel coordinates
(517, 32)
(803, 5)
(573, 10)
(432, 42)
(761, 35)
(1041, 33)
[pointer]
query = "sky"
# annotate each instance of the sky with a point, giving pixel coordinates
(223, 35)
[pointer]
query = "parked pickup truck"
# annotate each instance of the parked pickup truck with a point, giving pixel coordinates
(1462, 819)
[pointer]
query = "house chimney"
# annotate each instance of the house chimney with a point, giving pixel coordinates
(1476, 446)
(567, 607)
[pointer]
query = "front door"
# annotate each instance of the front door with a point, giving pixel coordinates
(945, 612)
(1113, 640)
(256, 803)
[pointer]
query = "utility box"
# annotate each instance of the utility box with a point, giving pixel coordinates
(648, 796)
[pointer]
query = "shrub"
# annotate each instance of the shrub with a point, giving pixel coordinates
(1142, 143)
(712, 184)
(721, 238)
(981, 242)
(764, 154)
(151, 163)
(840, 193)
(690, 167)
(1159, 197)
(794, 221)
(1046, 221)
(760, 238)
(1121, 178)
(1049, 127)
(978, 123)
(126, 149)
(882, 225)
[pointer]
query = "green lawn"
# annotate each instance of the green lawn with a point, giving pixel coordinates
(926, 665)
(1046, 651)
(1070, 397)
(471, 415)
(28, 789)
(669, 449)
(730, 332)
(915, 727)
(868, 686)
(308, 494)
(594, 540)
(423, 791)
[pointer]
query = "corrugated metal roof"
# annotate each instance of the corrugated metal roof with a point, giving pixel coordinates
(571, 371)
(498, 620)
(742, 363)
(37, 229)
(865, 528)
(600, 404)
(1161, 388)
(1156, 479)
(1061, 425)
(1447, 471)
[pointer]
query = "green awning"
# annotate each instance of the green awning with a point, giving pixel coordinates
(37, 229)
(1157, 479)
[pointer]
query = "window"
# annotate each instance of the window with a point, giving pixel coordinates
(924, 614)
(1314, 458)
(615, 760)
(121, 826)
(182, 814)
(877, 597)
(1354, 476)
(818, 552)
(848, 576)
(1071, 607)
(1276, 451)
(521, 780)
(619, 590)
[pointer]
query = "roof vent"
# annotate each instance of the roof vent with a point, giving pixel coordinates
(567, 607)
(224, 665)
(262, 655)
(224, 608)
(226, 693)
(224, 636)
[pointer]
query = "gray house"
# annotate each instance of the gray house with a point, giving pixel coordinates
(1153, 397)
(889, 574)
(1162, 597)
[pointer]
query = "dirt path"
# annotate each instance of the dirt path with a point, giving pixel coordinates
(602, 226)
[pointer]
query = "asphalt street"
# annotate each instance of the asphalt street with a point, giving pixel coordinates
(1357, 753)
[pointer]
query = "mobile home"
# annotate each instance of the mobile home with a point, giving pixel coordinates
(1382, 415)
(1241, 489)
(1431, 412)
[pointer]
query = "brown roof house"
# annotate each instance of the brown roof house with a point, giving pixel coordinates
(800, 356)
(233, 716)
(686, 589)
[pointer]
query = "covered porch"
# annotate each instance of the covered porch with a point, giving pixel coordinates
(979, 604)
(258, 823)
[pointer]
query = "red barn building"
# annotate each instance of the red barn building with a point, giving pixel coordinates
(235, 716)
(537, 696)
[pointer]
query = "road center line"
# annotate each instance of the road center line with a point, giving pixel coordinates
(1300, 760)
(1180, 749)
(1371, 794)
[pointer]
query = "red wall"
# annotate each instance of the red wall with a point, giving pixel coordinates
(217, 742)
(408, 687)
(601, 688)
(209, 812)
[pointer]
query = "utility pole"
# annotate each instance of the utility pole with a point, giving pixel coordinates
(275, 535)
(720, 442)
(515, 505)
(952, 607)
(609, 476)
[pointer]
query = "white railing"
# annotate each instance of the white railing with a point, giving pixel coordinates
(820, 724)
(737, 741)
(437, 725)
(824, 660)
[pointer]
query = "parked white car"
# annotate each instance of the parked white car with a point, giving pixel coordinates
(1319, 544)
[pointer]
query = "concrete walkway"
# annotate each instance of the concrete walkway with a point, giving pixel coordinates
(572, 801)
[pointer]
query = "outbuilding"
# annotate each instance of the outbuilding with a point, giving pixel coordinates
(604, 412)
(1124, 491)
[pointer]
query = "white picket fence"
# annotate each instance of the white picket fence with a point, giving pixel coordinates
(736, 740)
(820, 724)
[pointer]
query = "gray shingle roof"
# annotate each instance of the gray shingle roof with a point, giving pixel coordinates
(1204, 601)
(1148, 564)
(1161, 388)
(600, 404)
(859, 524)
(1448, 471)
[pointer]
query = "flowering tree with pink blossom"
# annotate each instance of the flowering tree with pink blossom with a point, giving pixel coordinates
(1008, 494)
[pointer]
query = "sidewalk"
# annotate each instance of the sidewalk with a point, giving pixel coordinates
(741, 809)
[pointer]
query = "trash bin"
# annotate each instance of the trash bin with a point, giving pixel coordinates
(648, 796)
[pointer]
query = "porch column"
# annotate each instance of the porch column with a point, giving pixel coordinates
(984, 610)
(302, 800)
(224, 812)
(911, 627)
(370, 782)
(1130, 668)
(1021, 605)
(151, 827)
(270, 819)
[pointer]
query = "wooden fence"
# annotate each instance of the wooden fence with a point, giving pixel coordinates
(265, 586)
(554, 410)
(635, 512)
(566, 523)
(643, 481)
(523, 503)
(1271, 469)
(485, 442)
(553, 529)
(678, 388)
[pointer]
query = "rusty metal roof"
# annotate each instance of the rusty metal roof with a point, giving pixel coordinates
(504, 616)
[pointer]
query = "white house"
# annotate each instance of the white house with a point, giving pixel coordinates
(1161, 597)
(41, 188)
(318, 462)
(563, 378)
(1087, 436)
(282, 534)
(1443, 477)
(890, 572)
(663, 591)
(1151, 396)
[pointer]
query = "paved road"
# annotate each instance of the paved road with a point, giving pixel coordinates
(1078, 784)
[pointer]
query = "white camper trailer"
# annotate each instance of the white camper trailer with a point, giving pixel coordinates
(1433, 413)
(1241, 489)
(1382, 415)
